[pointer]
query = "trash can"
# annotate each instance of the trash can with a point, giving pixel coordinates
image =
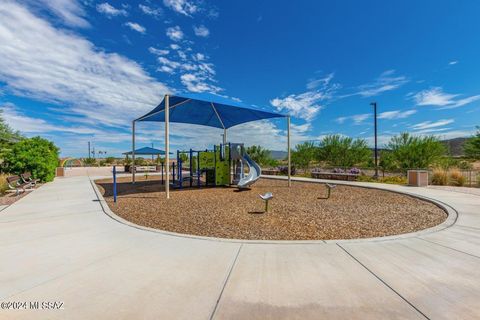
(60, 172)
(417, 178)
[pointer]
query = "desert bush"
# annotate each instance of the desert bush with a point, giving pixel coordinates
(365, 178)
(456, 178)
(340, 151)
(439, 177)
(89, 162)
(3, 183)
(394, 180)
(36, 155)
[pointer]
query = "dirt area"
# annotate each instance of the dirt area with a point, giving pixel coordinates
(9, 198)
(298, 213)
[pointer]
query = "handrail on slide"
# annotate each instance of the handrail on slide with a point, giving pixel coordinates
(254, 172)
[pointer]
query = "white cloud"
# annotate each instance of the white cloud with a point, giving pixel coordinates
(135, 26)
(436, 97)
(28, 125)
(42, 62)
(175, 33)
(184, 7)
(196, 82)
(308, 104)
(110, 11)
(387, 81)
(154, 12)
(396, 114)
(318, 82)
(430, 124)
(174, 46)
(201, 31)
(357, 119)
(454, 62)
(71, 12)
(158, 52)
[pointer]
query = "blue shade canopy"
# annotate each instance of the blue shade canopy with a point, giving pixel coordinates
(206, 113)
(147, 151)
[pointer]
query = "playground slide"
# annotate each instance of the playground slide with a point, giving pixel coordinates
(253, 174)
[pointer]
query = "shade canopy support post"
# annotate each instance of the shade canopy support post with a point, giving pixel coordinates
(167, 146)
(133, 151)
(224, 136)
(288, 151)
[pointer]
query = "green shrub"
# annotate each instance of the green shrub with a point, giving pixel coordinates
(439, 177)
(394, 180)
(456, 178)
(36, 155)
(364, 178)
(3, 183)
(89, 162)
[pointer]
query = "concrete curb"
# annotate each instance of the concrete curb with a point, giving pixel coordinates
(452, 216)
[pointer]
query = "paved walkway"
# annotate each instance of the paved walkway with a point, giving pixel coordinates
(57, 244)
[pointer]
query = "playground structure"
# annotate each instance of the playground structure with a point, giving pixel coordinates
(208, 113)
(224, 165)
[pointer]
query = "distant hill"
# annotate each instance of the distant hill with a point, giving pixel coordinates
(455, 146)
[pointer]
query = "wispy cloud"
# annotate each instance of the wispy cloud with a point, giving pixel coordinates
(110, 11)
(432, 124)
(42, 62)
(184, 7)
(357, 119)
(70, 12)
(318, 82)
(154, 12)
(396, 114)
(306, 105)
(387, 81)
(201, 31)
(454, 62)
(436, 97)
(136, 27)
(175, 33)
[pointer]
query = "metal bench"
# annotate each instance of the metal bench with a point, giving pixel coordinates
(27, 178)
(15, 184)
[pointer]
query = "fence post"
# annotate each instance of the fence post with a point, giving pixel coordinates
(115, 184)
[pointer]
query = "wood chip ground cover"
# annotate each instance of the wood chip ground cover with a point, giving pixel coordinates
(297, 213)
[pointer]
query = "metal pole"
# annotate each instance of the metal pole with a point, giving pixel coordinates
(374, 104)
(288, 151)
(133, 151)
(89, 154)
(167, 146)
(224, 136)
(115, 184)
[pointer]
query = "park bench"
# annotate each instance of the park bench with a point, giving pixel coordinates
(145, 168)
(27, 178)
(15, 184)
(335, 176)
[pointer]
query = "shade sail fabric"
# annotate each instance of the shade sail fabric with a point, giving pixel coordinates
(147, 151)
(206, 113)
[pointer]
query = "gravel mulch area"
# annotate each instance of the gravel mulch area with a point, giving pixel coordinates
(9, 198)
(297, 213)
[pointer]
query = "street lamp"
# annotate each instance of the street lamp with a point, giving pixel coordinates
(374, 104)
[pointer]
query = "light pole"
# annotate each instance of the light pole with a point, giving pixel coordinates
(374, 104)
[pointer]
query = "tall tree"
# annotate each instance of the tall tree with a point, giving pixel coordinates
(472, 146)
(260, 155)
(304, 154)
(341, 151)
(415, 152)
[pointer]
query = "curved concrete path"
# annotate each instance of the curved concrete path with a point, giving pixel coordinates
(57, 244)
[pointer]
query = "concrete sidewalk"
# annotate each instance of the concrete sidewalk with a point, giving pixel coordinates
(57, 244)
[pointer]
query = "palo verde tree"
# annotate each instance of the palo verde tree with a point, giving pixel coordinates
(8, 137)
(472, 146)
(303, 154)
(415, 152)
(260, 155)
(341, 151)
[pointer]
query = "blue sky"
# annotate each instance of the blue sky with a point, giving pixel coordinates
(75, 71)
